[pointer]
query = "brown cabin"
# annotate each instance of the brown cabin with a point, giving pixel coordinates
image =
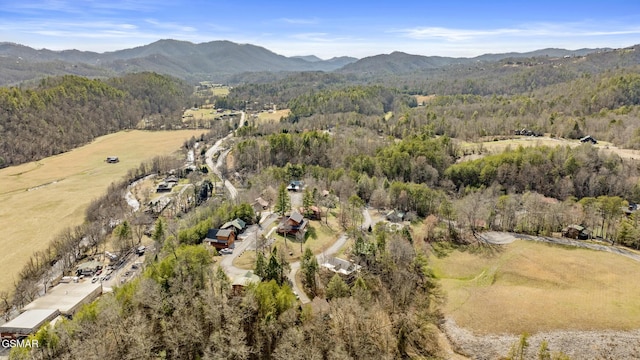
(314, 212)
(220, 238)
(293, 224)
(575, 232)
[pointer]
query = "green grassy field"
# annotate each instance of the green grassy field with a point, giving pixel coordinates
(40, 199)
(532, 287)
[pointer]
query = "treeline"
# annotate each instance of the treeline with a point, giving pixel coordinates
(559, 172)
(419, 158)
(604, 106)
(63, 113)
(280, 90)
(365, 100)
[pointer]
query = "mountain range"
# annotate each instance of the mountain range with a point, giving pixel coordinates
(218, 61)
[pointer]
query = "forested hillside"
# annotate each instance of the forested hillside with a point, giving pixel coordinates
(62, 113)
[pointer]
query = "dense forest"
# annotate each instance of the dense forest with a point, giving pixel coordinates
(62, 113)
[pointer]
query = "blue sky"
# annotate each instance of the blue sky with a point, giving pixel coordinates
(326, 28)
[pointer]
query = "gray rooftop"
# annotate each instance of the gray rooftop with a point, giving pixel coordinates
(296, 216)
(67, 298)
(29, 321)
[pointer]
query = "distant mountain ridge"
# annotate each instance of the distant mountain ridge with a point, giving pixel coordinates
(402, 63)
(218, 60)
(213, 60)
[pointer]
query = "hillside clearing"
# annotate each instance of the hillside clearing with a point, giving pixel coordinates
(273, 116)
(482, 148)
(532, 287)
(42, 198)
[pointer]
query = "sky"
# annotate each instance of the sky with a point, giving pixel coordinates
(326, 28)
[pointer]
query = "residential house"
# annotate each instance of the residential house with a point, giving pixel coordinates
(340, 266)
(260, 204)
(294, 224)
(313, 213)
(395, 216)
(295, 185)
(238, 225)
(171, 179)
(241, 282)
(164, 187)
(220, 239)
(576, 232)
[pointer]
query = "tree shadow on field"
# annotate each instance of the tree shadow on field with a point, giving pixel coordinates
(485, 249)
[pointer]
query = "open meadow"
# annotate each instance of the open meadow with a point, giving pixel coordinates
(40, 199)
(533, 287)
(274, 116)
(488, 147)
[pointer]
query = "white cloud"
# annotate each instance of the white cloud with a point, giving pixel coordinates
(170, 26)
(560, 30)
(421, 33)
(300, 21)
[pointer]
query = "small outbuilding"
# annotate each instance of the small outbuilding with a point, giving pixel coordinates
(588, 139)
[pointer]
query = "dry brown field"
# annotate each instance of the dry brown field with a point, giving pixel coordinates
(495, 147)
(423, 99)
(533, 287)
(40, 199)
(266, 116)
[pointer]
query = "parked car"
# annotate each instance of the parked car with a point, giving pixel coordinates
(225, 251)
(94, 280)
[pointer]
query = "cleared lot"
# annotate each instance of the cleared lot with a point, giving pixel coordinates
(534, 287)
(40, 199)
